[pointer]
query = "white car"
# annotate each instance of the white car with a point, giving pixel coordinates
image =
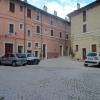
(31, 59)
(92, 59)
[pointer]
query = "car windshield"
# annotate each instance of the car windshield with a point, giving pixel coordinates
(92, 54)
(30, 55)
(21, 55)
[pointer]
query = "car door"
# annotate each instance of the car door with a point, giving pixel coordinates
(4, 59)
(11, 58)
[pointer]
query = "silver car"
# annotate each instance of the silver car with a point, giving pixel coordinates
(13, 59)
(92, 59)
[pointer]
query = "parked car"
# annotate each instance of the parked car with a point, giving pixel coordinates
(31, 59)
(92, 59)
(13, 59)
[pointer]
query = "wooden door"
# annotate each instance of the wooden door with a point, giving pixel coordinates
(8, 48)
(94, 48)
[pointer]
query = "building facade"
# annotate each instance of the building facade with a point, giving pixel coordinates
(85, 30)
(27, 29)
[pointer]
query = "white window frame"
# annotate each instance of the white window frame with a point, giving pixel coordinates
(22, 27)
(38, 14)
(66, 36)
(53, 33)
(31, 45)
(36, 29)
(38, 53)
(30, 32)
(27, 13)
(9, 6)
(20, 45)
(37, 46)
(9, 28)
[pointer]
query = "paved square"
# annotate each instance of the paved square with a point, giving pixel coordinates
(53, 79)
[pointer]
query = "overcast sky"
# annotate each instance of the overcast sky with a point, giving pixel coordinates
(63, 7)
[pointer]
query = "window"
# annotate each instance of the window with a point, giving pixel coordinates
(20, 49)
(67, 36)
(92, 54)
(21, 8)
(28, 13)
(36, 45)
(37, 29)
(51, 22)
(21, 26)
(11, 28)
(60, 35)
(29, 33)
(36, 53)
(84, 28)
(29, 44)
(84, 16)
(76, 48)
(94, 47)
(12, 7)
(51, 32)
(38, 16)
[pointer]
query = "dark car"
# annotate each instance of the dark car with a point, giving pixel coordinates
(31, 59)
(13, 59)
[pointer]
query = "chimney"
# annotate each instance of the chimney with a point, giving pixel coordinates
(78, 5)
(45, 8)
(55, 13)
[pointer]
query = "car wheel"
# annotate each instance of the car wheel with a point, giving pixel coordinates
(14, 64)
(85, 65)
(0, 62)
(99, 64)
(29, 62)
(24, 64)
(37, 62)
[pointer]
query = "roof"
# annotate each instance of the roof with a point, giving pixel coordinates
(42, 11)
(89, 6)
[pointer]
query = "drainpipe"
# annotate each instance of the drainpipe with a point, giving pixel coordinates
(24, 28)
(41, 52)
(65, 40)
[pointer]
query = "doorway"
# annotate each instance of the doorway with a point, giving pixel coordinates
(8, 48)
(84, 53)
(61, 50)
(20, 49)
(44, 51)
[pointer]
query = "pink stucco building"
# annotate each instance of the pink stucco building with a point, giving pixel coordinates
(25, 28)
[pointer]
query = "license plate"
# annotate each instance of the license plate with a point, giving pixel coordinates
(90, 58)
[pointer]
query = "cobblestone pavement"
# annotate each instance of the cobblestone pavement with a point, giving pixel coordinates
(54, 79)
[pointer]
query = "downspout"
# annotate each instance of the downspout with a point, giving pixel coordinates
(65, 41)
(24, 28)
(41, 52)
